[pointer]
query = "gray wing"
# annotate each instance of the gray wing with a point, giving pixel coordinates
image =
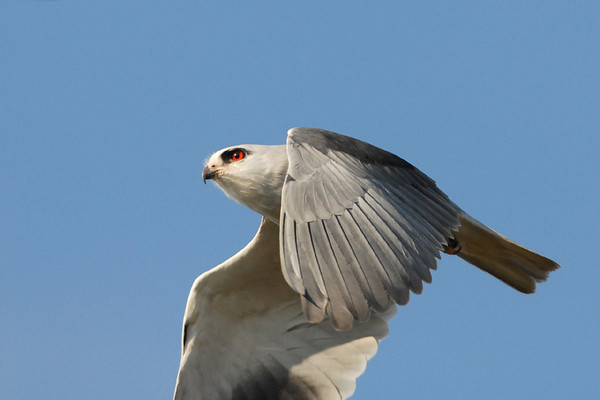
(358, 226)
(245, 336)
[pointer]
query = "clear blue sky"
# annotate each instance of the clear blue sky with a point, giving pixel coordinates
(109, 108)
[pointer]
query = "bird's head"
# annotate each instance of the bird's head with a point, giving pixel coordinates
(252, 175)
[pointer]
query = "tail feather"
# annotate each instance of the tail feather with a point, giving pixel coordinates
(499, 256)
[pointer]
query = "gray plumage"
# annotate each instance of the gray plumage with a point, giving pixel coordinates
(357, 224)
(353, 229)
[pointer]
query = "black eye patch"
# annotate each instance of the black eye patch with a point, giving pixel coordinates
(236, 154)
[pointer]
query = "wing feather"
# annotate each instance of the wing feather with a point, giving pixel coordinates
(393, 281)
(335, 288)
(290, 254)
(371, 288)
(365, 259)
(309, 267)
(371, 216)
(408, 245)
(395, 247)
(358, 302)
(425, 236)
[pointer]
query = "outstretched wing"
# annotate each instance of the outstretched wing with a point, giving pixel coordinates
(358, 226)
(245, 336)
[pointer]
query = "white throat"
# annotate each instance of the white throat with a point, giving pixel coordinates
(256, 181)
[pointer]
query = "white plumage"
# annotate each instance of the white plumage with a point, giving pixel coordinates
(348, 231)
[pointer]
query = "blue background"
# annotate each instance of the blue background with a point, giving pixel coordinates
(108, 110)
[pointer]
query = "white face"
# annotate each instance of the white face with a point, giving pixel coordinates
(252, 175)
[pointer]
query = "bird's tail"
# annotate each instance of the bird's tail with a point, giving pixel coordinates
(496, 254)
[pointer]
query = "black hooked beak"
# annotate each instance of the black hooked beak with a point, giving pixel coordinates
(208, 173)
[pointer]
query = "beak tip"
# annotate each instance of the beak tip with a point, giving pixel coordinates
(207, 173)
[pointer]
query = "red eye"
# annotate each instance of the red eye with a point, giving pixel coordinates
(238, 155)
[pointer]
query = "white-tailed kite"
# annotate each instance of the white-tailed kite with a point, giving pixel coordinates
(348, 231)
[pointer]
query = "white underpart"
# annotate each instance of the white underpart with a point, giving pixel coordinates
(244, 329)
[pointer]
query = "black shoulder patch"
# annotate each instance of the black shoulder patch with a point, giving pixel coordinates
(323, 141)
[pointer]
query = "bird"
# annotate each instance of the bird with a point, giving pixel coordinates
(348, 231)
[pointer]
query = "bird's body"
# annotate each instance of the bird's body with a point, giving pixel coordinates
(245, 336)
(348, 231)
